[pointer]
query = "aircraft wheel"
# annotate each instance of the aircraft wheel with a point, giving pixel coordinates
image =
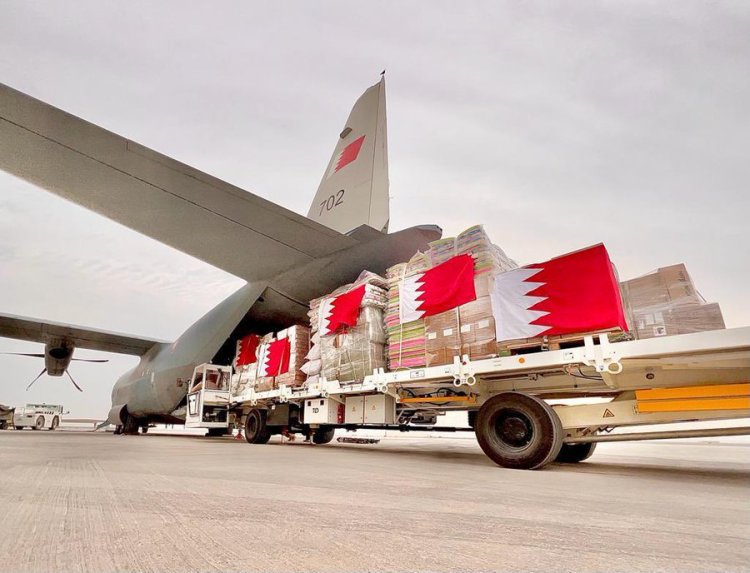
(118, 431)
(256, 431)
(574, 453)
(519, 431)
(323, 435)
(55, 424)
(144, 429)
(130, 424)
(18, 427)
(39, 424)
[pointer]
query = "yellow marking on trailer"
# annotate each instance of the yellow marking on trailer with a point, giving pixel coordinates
(471, 399)
(715, 391)
(735, 403)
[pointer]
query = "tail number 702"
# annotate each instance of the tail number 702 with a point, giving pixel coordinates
(332, 201)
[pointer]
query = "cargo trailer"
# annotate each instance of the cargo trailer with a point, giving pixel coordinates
(510, 400)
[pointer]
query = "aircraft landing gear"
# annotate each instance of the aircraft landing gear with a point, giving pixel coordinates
(130, 424)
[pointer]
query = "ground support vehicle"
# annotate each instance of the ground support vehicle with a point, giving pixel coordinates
(6, 417)
(511, 400)
(208, 399)
(38, 417)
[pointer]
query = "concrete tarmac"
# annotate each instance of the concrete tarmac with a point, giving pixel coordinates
(84, 501)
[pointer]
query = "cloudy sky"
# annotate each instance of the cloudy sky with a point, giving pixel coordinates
(556, 124)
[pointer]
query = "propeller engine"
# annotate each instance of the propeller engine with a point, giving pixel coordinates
(58, 355)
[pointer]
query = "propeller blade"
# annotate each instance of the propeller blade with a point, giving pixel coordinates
(90, 360)
(32, 354)
(103, 424)
(73, 381)
(35, 379)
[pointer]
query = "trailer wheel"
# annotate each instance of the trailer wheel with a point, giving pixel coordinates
(323, 435)
(256, 431)
(519, 431)
(574, 453)
(39, 424)
(55, 424)
(18, 427)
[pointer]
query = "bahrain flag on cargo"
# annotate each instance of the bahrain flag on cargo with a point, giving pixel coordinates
(573, 293)
(274, 358)
(340, 311)
(441, 288)
(246, 348)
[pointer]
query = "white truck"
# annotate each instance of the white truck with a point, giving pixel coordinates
(510, 399)
(38, 417)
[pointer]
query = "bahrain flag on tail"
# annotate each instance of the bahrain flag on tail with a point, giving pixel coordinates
(340, 311)
(441, 288)
(348, 155)
(246, 348)
(275, 358)
(577, 292)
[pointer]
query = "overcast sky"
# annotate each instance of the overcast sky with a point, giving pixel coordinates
(557, 125)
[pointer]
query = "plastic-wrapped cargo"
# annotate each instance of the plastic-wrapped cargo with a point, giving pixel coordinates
(350, 350)
(406, 341)
(299, 339)
(245, 364)
(468, 329)
(351, 355)
(666, 302)
(264, 383)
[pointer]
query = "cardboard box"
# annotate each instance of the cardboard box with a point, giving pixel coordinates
(666, 286)
(469, 329)
(299, 343)
(679, 320)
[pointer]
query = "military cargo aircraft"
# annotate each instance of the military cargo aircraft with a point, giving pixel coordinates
(286, 259)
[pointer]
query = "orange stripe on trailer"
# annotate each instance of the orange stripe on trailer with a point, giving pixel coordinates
(714, 391)
(439, 399)
(694, 405)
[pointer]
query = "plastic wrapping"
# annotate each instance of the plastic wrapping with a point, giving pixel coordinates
(264, 383)
(469, 329)
(666, 302)
(350, 355)
(406, 341)
(299, 338)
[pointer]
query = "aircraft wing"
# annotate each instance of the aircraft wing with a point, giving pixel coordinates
(34, 330)
(169, 201)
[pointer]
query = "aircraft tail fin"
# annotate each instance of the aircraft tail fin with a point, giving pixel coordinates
(354, 188)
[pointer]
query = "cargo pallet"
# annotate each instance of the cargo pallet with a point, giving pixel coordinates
(690, 377)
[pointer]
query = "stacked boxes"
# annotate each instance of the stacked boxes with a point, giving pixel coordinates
(264, 383)
(468, 329)
(355, 352)
(406, 341)
(299, 342)
(250, 375)
(665, 302)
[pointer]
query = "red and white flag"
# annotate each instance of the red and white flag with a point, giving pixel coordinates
(340, 311)
(348, 155)
(246, 350)
(441, 288)
(274, 358)
(577, 292)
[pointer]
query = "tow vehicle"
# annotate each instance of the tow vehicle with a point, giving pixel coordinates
(511, 399)
(38, 417)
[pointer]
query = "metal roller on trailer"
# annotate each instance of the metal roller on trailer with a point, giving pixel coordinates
(509, 399)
